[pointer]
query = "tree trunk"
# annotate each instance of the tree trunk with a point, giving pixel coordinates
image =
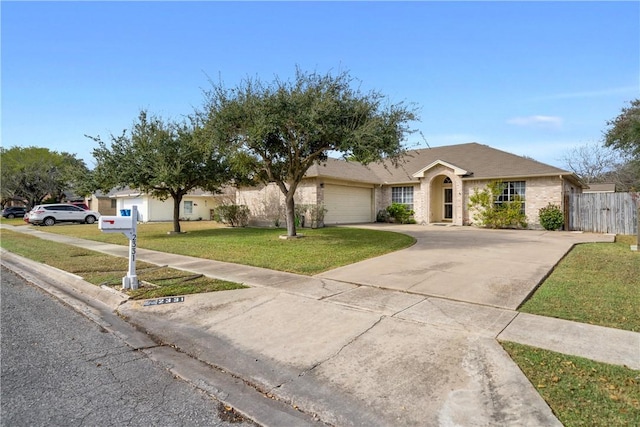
(177, 198)
(291, 215)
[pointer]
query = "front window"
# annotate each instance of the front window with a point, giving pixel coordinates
(402, 195)
(512, 190)
(188, 207)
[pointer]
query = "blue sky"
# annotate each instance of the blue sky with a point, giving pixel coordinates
(531, 78)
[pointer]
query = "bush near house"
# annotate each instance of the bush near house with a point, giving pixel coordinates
(400, 213)
(233, 215)
(493, 214)
(310, 215)
(551, 217)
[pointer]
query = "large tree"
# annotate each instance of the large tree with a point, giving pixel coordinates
(163, 158)
(596, 163)
(623, 135)
(36, 173)
(624, 131)
(280, 129)
(592, 162)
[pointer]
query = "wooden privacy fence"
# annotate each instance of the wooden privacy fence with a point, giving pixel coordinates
(615, 213)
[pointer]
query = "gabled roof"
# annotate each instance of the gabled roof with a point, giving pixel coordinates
(456, 169)
(471, 161)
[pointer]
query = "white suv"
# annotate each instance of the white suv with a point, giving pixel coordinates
(62, 212)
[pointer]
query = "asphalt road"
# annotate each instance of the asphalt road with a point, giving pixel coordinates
(61, 369)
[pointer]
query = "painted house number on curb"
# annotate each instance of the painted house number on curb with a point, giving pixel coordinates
(161, 301)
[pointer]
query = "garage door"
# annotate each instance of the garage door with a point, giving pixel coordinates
(128, 203)
(347, 205)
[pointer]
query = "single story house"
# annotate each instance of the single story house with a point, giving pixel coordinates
(607, 187)
(434, 182)
(102, 202)
(196, 205)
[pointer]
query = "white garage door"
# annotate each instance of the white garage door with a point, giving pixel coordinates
(347, 205)
(128, 203)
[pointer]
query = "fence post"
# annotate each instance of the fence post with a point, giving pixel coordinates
(567, 213)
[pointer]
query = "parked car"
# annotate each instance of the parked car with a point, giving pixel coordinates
(14, 212)
(82, 205)
(61, 212)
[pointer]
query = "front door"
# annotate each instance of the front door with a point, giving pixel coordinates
(448, 204)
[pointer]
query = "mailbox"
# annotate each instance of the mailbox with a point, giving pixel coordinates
(128, 226)
(115, 223)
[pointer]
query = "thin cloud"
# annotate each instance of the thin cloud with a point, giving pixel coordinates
(537, 121)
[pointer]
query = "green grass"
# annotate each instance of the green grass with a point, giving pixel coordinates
(319, 250)
(581, 392)
(102, 269)
(13, 221)
(597, 283)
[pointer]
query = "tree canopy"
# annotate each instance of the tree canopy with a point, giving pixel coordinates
(623, 135)
(624, 131)
(278, 130)
(35, 173)
(596, 163)
(163, 158)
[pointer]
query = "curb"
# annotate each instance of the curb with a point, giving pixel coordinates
(73, 284)
(100, 304)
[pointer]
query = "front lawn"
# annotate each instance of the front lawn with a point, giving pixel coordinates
(319, 250)
(581, 392)
(596, 283)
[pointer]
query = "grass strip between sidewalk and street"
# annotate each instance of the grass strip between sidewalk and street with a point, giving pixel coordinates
(102, 269)
(596, 283)
(581, 392)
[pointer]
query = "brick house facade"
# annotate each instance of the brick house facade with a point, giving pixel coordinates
(435, 183)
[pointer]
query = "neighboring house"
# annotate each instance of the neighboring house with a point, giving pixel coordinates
(196, 205)
(102, 202)
(434, 182)
(600, 188)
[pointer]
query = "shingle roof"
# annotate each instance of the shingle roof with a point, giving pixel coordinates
(601, 188)
(342, 169)
(480, 161)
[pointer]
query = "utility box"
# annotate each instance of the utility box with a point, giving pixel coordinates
(116, 224)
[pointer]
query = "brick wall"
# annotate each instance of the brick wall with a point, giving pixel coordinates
(539, 193)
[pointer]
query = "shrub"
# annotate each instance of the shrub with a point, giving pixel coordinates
(234, 215)
(383, 216)
(310, 215)
(551, 217)
(490, 214)
(400, 213)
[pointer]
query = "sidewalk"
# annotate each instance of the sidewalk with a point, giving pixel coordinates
(361, 355)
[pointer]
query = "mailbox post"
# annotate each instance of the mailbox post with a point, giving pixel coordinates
(129, 227)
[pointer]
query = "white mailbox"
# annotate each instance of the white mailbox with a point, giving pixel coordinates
(126, 225)
(116, 224)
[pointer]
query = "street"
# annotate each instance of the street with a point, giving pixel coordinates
(59, 368)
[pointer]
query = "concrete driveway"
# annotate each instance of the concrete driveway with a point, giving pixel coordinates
(498, 268)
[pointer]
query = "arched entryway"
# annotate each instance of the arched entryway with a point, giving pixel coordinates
(443, 207)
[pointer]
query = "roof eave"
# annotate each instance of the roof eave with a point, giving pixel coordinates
(563, 175)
